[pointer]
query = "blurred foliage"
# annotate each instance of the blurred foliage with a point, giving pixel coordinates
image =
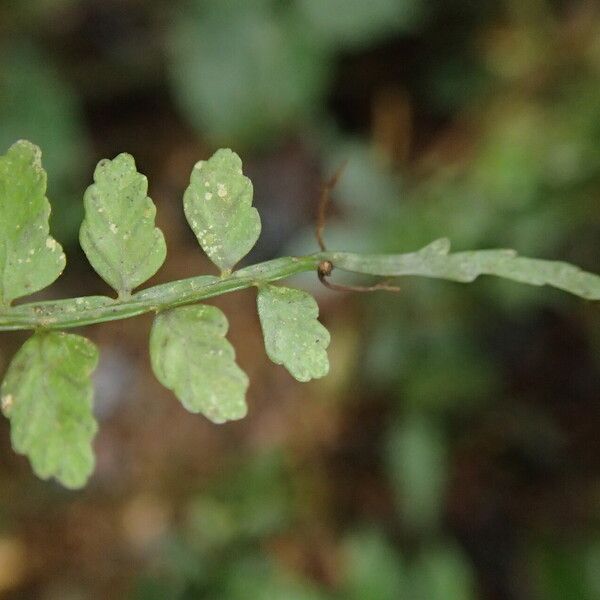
(274, 69)
(264, 75)
(36, 104)
(417, 470)
(349, 23)
(569, 571)
(219, 553)
(373, 569)
(458, 458)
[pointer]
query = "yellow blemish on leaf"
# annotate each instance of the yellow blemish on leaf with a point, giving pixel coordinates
(7, 402)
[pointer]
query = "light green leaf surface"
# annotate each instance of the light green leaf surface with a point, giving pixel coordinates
(37, 103)
(355, 22)
(191, 356)
(435, 260)
(417, 469)
(245, 71)
(293, 336)
(372, 568)
(47, 395)
(118, 234)
(443, 572)
(29, 258)
(218, 207)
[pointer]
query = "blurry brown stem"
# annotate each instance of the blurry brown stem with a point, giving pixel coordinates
(326, 267)
(324, 202)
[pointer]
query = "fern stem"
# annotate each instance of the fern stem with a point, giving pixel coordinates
(89, 310)
(433, 260)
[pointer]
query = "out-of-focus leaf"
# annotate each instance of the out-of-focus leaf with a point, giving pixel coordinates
(417, 468)
(365, 174)
(244, 70)
(592, 566)
(373, 569)
(560, 572)
(30, 259)
(353, 22)
(33, 11)
(258, 578)
(191, 356)
(449, 372)
(210, 524)
(293, 336)
(118, 234)
(36, 104)
(443, 573)
(218, 207)
(259, 495)
(508, 167)
(47, 395)
(151, 587)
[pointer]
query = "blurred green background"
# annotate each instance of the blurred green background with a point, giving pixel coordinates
(453, 453)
